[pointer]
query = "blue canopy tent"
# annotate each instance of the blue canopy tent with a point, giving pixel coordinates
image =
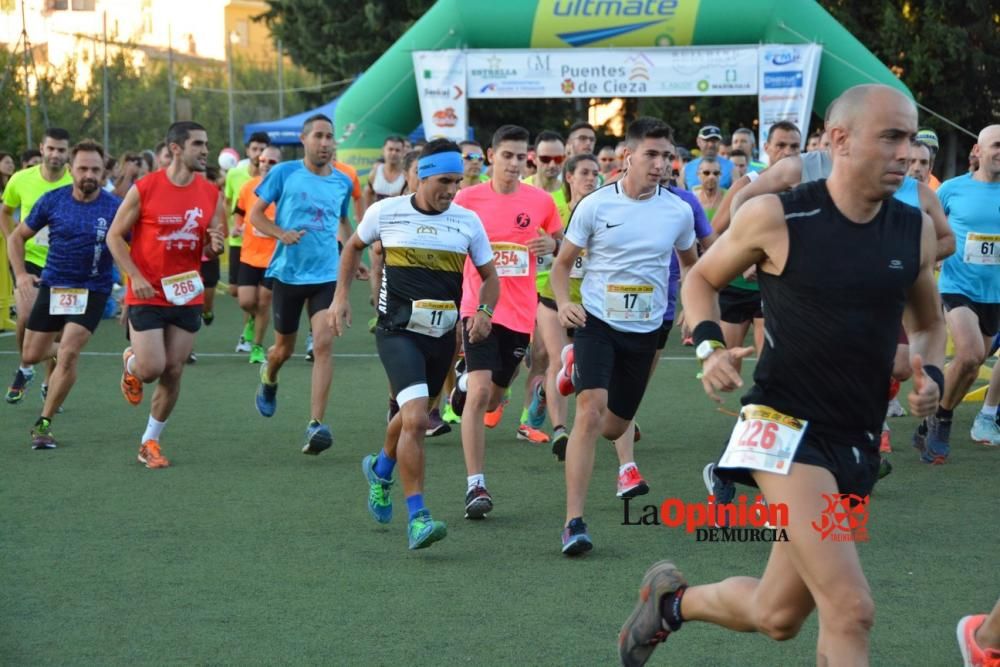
(285, 131)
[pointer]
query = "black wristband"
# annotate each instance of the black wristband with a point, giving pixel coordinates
(934, 373)
(707, 330)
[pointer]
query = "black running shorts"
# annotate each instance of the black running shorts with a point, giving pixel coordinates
(411, 360)
(617, 361)
(252, 276)
(853, 460)
(664, 334)
(234, 264)
(737, 305)
(988, 313)
(41, 320)
(288, 301)
(210, 273)
(146, 318)
(501, 352)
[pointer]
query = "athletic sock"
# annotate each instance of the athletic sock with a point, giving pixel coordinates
(622, 468)
(415, 504)
(557, 428)
(670, 609)
(27, 370)
(383, 465)
(988, 410)
(524, 416)
(944, 415)
(153, 429)
(43, 423)
(130, 365)
(476, 480)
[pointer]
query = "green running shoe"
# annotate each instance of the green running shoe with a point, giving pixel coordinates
(379, 502)
(248, 330)
(41, 435)
(257, 355)
(425, 531)
(448, 415)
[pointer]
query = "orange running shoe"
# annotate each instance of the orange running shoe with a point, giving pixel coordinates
(131, 384)
(974, 655)
(884, 446)
(491, 419)
(150, 454)
(532, 435)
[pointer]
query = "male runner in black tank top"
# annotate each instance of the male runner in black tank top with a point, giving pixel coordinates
(840, 252)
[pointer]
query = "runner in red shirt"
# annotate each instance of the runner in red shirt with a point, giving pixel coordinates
(172, 216)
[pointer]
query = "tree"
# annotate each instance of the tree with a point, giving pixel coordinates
(947, 54)
(340, 40)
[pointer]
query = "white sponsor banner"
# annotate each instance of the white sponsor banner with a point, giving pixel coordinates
(653, 72)
(440, 77)
(788, 74)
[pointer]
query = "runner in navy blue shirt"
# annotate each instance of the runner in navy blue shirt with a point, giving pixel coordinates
(76, 281)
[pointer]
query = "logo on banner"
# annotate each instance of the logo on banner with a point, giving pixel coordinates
(568, 86)
(494, 70)
(782, 57)
(629, 22)
(640, 67)
(445, 117)
(783, 79)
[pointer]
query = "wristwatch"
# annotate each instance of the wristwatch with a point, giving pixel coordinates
(706, 348)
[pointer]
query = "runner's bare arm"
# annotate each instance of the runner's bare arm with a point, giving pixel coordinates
(756, 236)
(931, 206)
(6, 220)
(720, 222)
(121, 227)
(570, 314)
(262, 224)
(688, 258)
(344, 230)
(925, 327)
(217, 230)
(489, 294)
(339, 313)
(545, 244)
(781, 176)
(15, 254)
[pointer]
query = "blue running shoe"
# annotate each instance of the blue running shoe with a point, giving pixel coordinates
(919, 441)
(536, 411)
(938, 437)
(424, 531)
(379, 502)
(575, 540)
(318, 438)
(267, 394)
(723, 490)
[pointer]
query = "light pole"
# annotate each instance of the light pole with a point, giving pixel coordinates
(233, 38)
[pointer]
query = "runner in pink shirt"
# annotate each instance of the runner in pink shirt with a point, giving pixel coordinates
(521, 222)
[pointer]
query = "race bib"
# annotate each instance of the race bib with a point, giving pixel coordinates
(763, 439)
(579, 265)
(543, 263)
(510, 259)
(982, 248)
(432, 318)
(626, 303)
(68, 301)
(181, 288)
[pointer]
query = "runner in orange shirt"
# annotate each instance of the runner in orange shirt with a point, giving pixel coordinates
(254, 290)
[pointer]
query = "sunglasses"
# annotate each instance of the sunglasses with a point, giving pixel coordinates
(269, 161)
(710, 173)
(557, 159)
(477, 157)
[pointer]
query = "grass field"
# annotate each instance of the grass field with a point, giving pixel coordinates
(247, 552)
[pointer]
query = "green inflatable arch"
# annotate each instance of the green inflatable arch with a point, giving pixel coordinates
(384, 100)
